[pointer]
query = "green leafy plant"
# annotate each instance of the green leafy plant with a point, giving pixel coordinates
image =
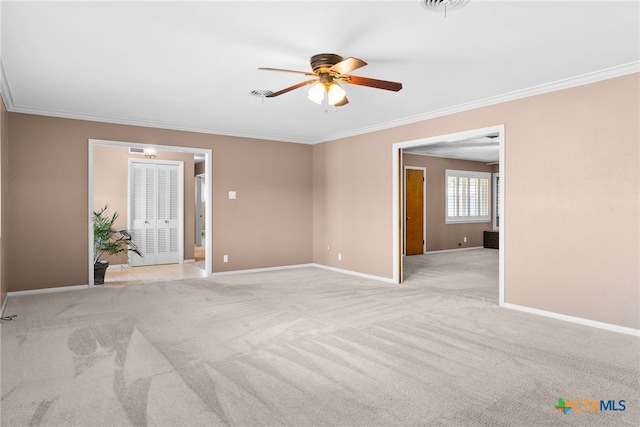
(108, 241)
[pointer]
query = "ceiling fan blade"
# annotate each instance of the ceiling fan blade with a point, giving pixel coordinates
(344, 101)
(280, 92)
(378, 84)
(348, 65)
(306, 73)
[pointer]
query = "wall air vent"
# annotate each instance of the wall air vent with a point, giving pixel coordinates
(135, 150)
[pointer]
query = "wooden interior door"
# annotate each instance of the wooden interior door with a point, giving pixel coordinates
(414, 211)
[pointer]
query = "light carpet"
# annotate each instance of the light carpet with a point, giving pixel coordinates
(307, 347)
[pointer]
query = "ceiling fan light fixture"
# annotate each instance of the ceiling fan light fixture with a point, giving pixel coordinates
(335, 93)
(328, 69)
(316, 93)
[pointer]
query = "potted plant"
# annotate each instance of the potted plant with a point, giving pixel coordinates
(108, 241)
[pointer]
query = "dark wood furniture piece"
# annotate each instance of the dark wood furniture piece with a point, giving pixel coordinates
(491, 239)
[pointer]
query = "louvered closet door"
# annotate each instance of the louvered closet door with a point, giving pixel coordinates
(154, 213)
(167, 223)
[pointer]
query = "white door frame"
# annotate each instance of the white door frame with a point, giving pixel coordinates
(208, 157)
(424, 206)
(198, 210)
(396, 201)
(180, 165)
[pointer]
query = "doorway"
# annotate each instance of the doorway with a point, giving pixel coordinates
(415, 210)
(156, 211)
(202, 154)
(496, 132)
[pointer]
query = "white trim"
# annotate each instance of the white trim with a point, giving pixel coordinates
(261, 270)
(584, 79)
(119, 266)
(46, 290)
(208, 217)
(208, 158)
(573, 319)
(495, 180)
(311, 265)
(355, 273)
(396, 203)
(4, 305)
(454, 250)
(5, 89)
(501, 239)
(90, 217)
(424, 206)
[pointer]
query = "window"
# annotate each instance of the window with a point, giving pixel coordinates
(468, 196)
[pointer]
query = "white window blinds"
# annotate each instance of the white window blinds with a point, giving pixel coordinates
(468, 196)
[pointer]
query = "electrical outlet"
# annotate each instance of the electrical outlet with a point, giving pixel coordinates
(465, 240)
(225, 258)
(339, 256)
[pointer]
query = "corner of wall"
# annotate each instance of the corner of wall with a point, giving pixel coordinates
(4, 142)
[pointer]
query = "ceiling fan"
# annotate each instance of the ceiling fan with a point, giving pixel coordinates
(328, 69)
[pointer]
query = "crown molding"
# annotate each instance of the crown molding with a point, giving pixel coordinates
(609, 73)
(584, 79)
(5, 92)
(151, 124)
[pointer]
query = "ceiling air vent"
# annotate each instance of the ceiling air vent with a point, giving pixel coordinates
(442, 5)
(261, 92)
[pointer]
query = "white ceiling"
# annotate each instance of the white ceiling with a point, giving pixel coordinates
(192, 65)
(485, 148)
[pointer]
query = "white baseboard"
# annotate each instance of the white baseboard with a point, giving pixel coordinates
(453, 250)
(46, 290)
(116, 266)
(355, 273)
(260, 270)
(312, 265)
(4, 305)
(572, 319)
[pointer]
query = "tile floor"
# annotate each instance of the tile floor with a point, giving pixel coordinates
(117, 276)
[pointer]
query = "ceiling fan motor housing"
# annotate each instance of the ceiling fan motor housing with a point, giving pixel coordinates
(323, 61)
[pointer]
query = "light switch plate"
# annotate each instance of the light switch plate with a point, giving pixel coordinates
(232, 195)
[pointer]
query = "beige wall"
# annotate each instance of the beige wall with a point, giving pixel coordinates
(4, 174)
(440, 235)
(571, 186)
(352, 204)
(268, 225)
(110, 187)
(571, 198)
